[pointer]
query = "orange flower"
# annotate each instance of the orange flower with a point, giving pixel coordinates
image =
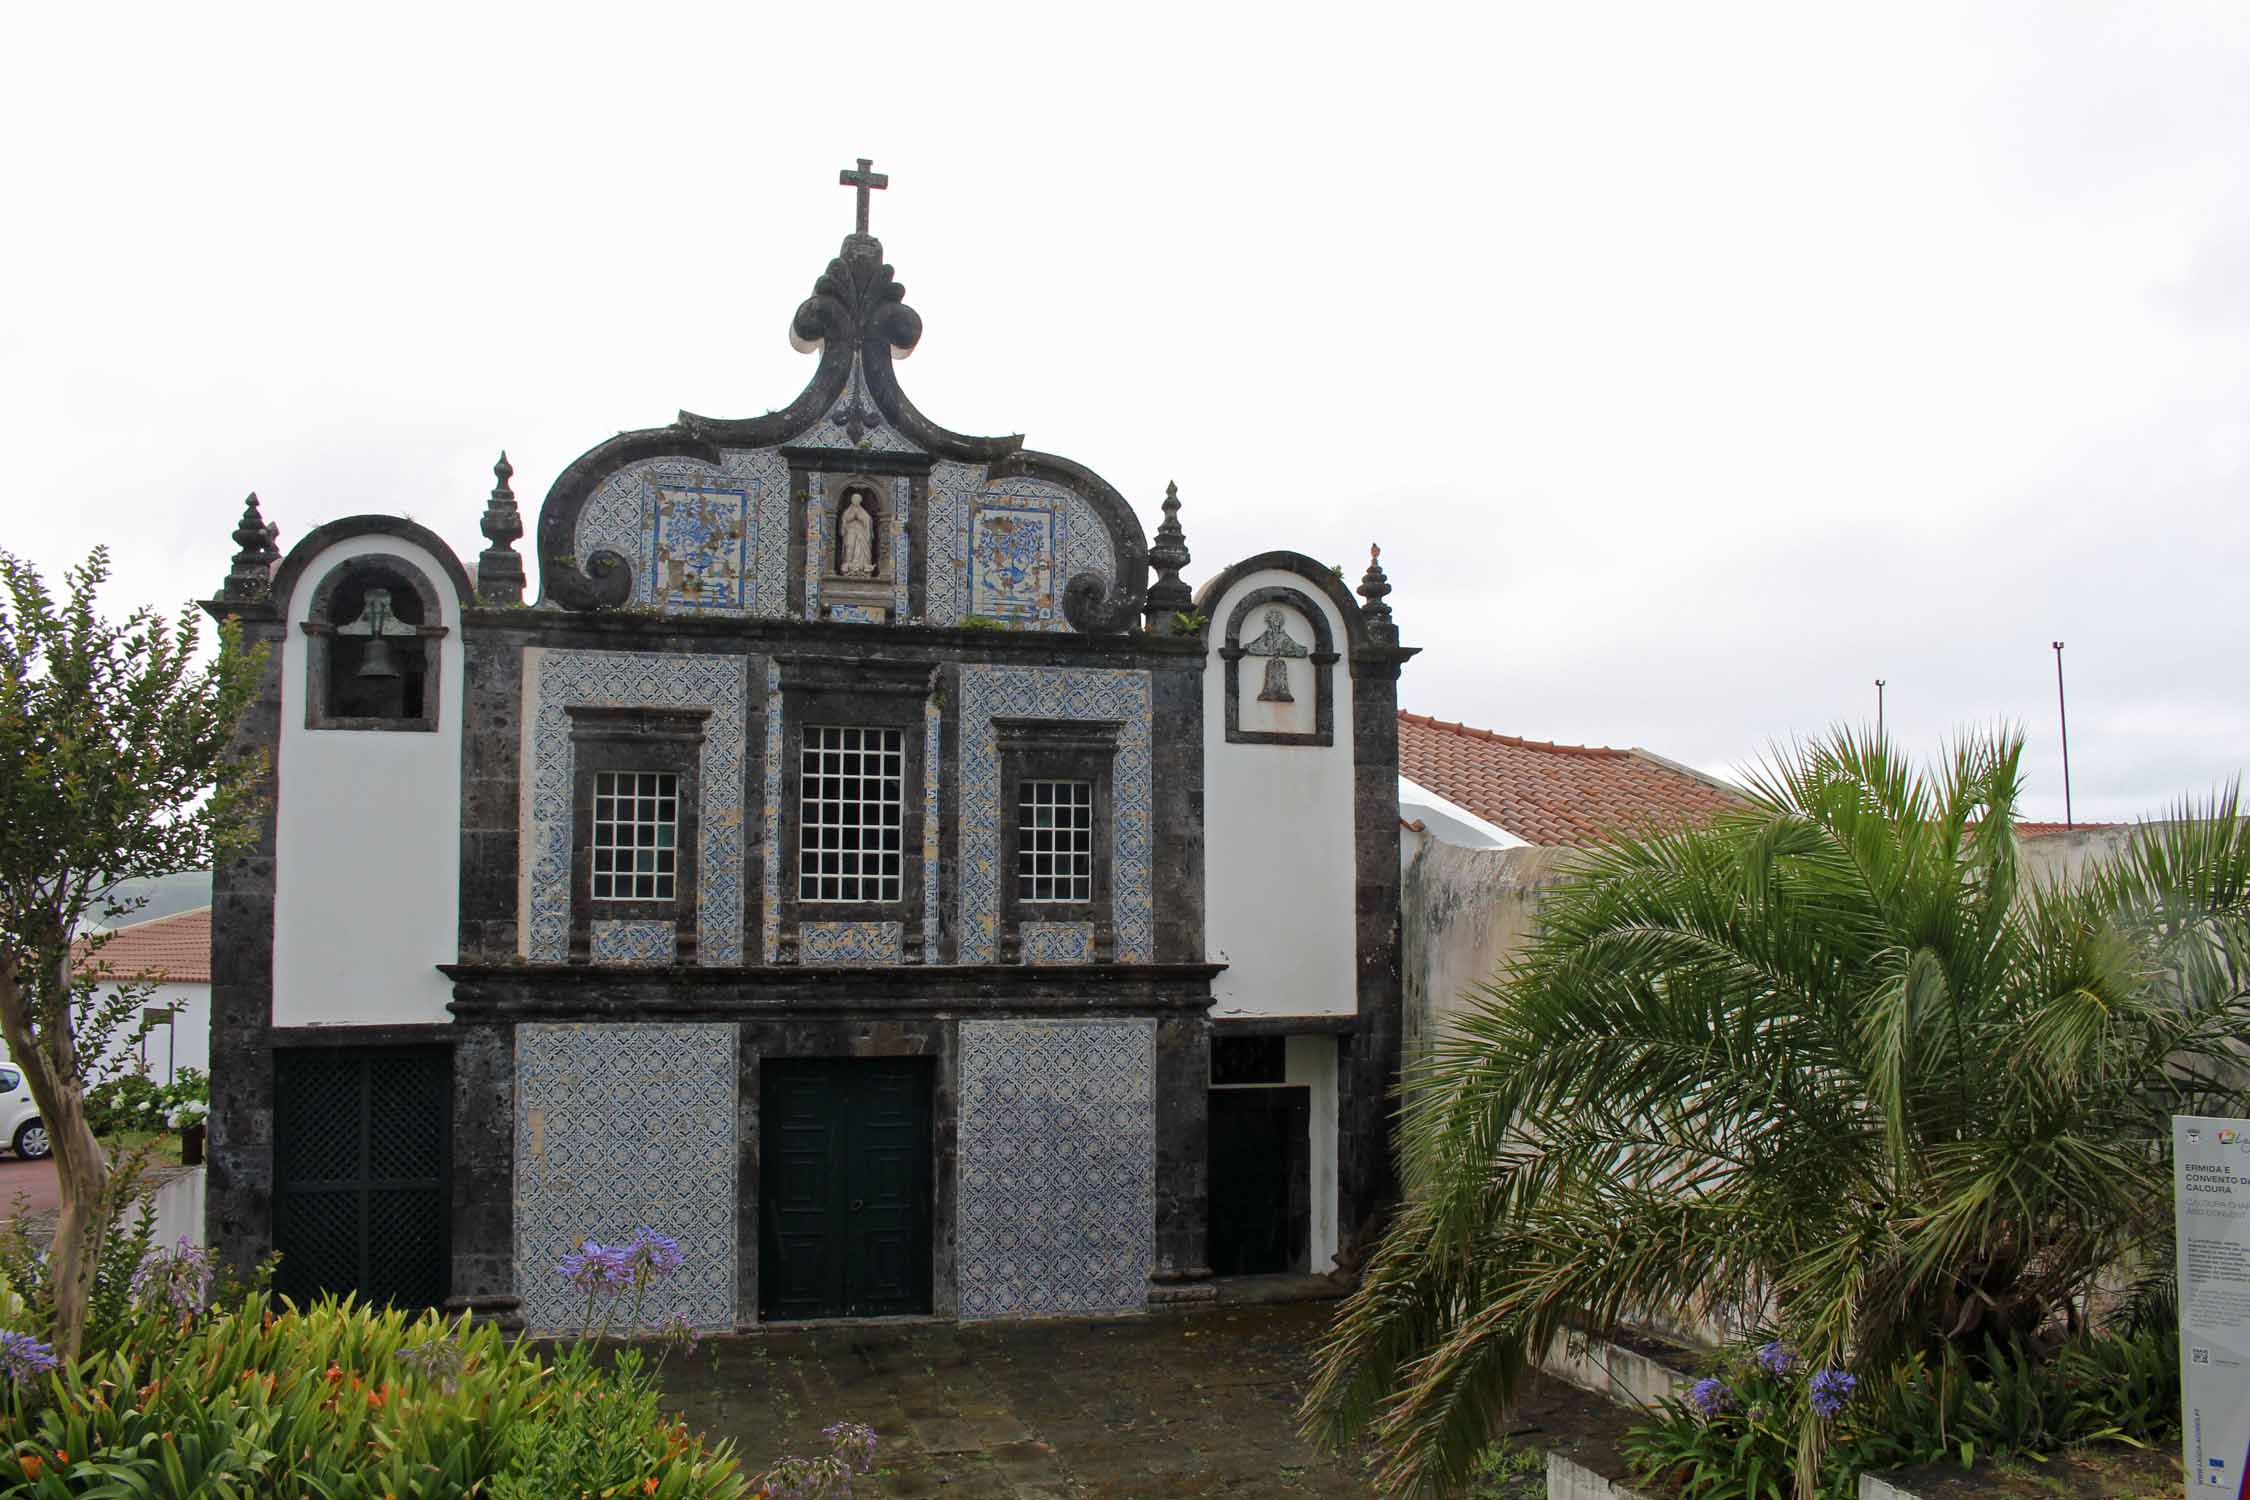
(32, 1467)
(62, 1456)
(648, 1485)
(335, 1373)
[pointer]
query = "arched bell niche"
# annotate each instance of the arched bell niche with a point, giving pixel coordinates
(1280, 664)
(371, 659)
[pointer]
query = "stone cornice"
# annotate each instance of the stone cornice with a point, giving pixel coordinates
(582, 992)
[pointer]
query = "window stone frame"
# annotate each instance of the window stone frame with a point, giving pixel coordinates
(1323, 657)
(853, 694)
(667, 740)
(1057, 750)
(320, 631)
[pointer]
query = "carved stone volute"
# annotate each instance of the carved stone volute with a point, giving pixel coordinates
(856, 302)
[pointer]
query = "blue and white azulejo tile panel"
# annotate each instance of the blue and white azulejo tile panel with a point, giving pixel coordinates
(636, 679)
(976, 568)
(619, 1126)
(1058, 942)
(1011, 563)
(856, 614)
(850, 942)
(988, 693)
(770, 937)
(701, 539)
(1057, 1202)
(633, 942)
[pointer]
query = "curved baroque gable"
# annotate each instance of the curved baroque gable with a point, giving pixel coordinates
(740, 516)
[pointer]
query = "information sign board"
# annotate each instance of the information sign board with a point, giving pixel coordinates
(2211, 1196)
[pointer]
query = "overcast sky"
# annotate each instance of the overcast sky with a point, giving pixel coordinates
(1694, 366)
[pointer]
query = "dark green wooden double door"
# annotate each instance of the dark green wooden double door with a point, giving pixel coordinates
(844, 1188)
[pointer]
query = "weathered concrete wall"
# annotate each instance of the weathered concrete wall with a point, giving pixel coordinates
(1466, 911)
(2051, 856)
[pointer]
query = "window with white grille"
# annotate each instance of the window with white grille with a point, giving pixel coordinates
(851, 813)
(1055, 841)
(636, 835)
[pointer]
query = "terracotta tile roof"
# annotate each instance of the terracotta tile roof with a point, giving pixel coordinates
(2041, 830)
(1553, 794)
(173, 950)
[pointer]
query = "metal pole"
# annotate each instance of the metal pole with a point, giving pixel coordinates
(1879, 706)
(2062, 711)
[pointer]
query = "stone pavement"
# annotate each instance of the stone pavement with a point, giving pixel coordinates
(1185, 1404)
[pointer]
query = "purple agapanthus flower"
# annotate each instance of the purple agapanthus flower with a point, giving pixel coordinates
(1710, 1397)
(180, 1276)
(24, 1358)
(1777, 1359)
(654, 1256)
(1830, 1389)
(595, 1267)
(854, 1443)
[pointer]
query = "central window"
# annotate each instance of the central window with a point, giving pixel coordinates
(636, 843)
(1055, 841)
(851, 813)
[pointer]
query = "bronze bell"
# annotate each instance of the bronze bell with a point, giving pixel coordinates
(376, 660)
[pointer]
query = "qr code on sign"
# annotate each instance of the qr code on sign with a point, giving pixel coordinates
(2200, 1356)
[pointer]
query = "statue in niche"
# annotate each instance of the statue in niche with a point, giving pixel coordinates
(1277, 646)
(855, 530)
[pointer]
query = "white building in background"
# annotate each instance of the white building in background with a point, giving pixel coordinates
(172, 953)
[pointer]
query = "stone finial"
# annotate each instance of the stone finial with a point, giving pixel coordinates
(251, 576)
(499, 570)
(1373, 586)
(1168, 596)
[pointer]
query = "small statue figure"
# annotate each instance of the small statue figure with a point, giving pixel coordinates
(1276, 646)
(857, 530)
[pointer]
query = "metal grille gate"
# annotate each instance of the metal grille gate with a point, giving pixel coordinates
(360, 1151)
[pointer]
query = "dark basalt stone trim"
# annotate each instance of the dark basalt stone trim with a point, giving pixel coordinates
(320, 538)
(1368, 1059)
(570, 585)
(1231, 1026)
(1322, 656)
(238, 1206)
(1320, 575)
(398, 1034)
(618, 630)
(554, 992)
(857, 461)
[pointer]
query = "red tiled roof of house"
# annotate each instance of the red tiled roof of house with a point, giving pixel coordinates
(2041, 830)
(1553, 794)
(170, 950)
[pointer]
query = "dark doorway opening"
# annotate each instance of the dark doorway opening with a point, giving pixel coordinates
(1261, 1180)
(361, 1202)
(843, 1188)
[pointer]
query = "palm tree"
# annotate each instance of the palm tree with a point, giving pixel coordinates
(1831, 1063)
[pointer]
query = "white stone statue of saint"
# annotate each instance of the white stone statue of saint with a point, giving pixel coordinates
(857, 528)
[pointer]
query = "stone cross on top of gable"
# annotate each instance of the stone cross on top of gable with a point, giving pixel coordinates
(866, 181)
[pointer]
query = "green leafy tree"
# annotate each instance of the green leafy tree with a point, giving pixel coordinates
(1830, 1064)
(114, 765)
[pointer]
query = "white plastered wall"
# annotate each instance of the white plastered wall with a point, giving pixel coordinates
(183, 1042)
(1311, 1060)
(367, 844)
(1279, 873)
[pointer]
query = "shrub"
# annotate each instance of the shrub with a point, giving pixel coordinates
(353, 1404)
(1736, 1435)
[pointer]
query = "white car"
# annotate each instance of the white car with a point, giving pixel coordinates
(20, 1125)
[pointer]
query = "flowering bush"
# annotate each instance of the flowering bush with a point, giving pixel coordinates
(342, 1401)
(1737, 1433)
